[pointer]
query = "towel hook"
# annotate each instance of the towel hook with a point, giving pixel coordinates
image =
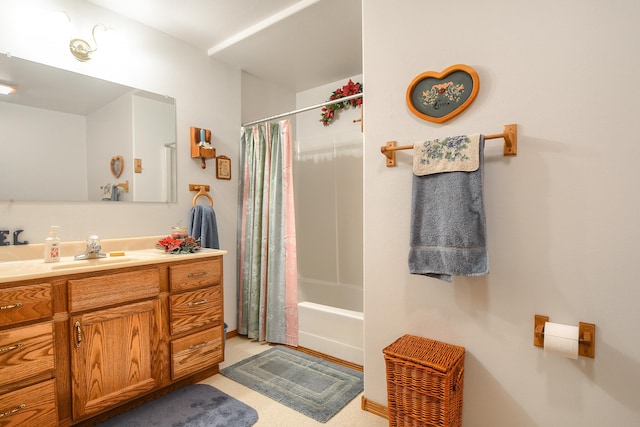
(202, 191)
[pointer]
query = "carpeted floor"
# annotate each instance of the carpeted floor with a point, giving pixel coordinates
(197, 405)
(307, 384)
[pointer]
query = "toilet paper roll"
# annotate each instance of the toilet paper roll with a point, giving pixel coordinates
(561, 339)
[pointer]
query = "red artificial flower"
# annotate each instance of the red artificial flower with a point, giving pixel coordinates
(351, 88)
(178, 246)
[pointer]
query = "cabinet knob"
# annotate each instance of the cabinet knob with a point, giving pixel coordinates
(10, 306)
(202, 273)
(194, 303)
(12, 411)
(11, 347)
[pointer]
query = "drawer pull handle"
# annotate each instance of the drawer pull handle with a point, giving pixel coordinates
(202, 273)
(13, 411)
(10, 306)
(202, 344)
(78, 334)
(11, 347)
(194, 303)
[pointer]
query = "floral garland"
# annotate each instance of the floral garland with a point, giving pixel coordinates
(329, 112)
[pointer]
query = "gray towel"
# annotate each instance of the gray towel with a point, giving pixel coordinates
(448, 227)
(203, 225)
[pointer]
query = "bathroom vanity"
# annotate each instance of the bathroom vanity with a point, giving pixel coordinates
(81, 341)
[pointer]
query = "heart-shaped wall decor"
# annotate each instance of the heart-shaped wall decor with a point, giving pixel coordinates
(440, 96)
(117, 166)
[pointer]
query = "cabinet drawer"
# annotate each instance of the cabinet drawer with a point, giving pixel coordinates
(195, 275)
(196, 352)
(110, 289)
(33, 406)
(25, 352)
(24, 303)
(196, 308)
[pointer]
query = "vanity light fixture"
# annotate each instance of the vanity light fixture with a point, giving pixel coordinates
(81, 48)
(7, 89)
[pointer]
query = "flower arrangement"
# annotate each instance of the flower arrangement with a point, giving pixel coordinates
(187, 245)
(329, 112)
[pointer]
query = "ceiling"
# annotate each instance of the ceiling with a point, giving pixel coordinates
(296, 44)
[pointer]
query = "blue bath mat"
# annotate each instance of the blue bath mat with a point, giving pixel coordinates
(197, 405)
(312, 386)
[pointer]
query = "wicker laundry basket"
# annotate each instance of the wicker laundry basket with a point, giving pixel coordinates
(424, 382)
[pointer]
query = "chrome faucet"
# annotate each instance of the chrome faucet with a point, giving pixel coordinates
(93, 249)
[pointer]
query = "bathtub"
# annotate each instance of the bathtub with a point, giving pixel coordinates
(333, 331)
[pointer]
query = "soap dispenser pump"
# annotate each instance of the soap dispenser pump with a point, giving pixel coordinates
(52, 245)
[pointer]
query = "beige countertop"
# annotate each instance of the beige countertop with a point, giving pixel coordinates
(27, 262)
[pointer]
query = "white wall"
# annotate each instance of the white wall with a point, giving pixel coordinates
(562, 215)
(109, 133)
(31, 135)
(261, 99)
(207, 95)
(153, 129)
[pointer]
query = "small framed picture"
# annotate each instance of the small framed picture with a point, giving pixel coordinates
(223, 167)
(440, 96)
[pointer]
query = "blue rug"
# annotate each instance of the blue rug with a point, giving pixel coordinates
(312, 386)
(197, 405)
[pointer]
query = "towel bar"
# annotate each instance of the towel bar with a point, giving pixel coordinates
(510, 136)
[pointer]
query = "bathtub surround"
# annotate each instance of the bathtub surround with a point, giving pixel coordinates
(332, 330)
(308, 384)
(196, 405)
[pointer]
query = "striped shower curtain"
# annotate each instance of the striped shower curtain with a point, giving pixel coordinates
(267, 266)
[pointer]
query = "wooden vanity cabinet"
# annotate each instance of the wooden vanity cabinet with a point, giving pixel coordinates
(196, 316)
(27, 362)
(114, 331)
(80, 348)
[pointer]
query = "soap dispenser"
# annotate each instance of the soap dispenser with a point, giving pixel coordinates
(52, 246)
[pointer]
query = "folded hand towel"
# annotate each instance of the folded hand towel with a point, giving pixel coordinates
(107, 192)
(448, 228)
(451, 154)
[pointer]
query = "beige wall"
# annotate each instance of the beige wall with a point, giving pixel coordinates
(562, 215)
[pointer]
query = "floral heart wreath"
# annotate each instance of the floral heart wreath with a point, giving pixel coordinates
(329, 112)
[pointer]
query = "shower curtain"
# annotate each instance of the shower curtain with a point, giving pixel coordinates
(267, 266)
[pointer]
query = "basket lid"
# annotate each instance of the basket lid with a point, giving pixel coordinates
(424, 351)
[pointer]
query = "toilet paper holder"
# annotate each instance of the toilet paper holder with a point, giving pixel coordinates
(587, 336)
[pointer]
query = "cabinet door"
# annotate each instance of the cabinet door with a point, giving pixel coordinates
(112, 356)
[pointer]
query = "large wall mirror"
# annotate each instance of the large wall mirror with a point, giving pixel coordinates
(60, 131)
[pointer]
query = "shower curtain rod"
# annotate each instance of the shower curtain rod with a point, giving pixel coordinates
(302, 110)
